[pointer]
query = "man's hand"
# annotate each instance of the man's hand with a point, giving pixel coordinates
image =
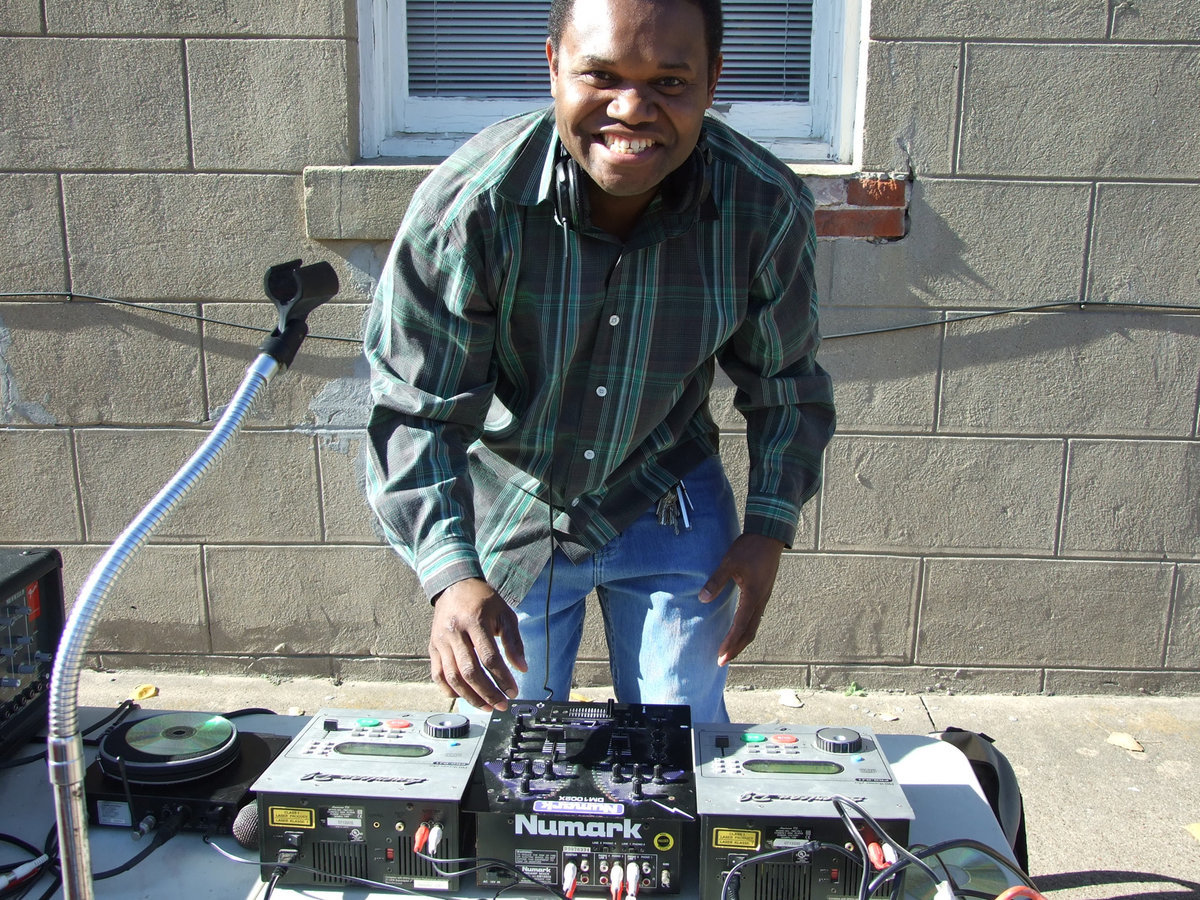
(464, 659)
(752, 563)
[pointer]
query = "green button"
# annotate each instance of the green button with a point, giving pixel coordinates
(751, 737)
(368, 723)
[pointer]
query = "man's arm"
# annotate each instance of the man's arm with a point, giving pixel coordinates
(787, 400)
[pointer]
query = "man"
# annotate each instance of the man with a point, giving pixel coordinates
(543, 344)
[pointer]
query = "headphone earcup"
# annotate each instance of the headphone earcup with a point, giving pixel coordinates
(566, 191)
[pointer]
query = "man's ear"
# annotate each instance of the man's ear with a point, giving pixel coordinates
(714, 75)
(552, 60)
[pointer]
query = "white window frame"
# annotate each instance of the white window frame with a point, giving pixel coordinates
(826, 134)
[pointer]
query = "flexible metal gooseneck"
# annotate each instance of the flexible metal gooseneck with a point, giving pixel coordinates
(296, 291)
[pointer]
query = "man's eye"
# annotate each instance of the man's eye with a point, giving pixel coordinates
(671, 84)
(598, 77)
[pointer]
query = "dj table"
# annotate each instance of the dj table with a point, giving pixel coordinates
(937, 782)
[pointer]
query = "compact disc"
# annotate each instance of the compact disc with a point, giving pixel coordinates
(180, 735)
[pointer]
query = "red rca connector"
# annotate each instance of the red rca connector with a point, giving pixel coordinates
(421, 837)
(876, 854)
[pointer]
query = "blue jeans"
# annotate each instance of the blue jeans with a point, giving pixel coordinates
(662, 641)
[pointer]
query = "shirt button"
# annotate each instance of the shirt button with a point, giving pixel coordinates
(614, 320)
(589, 454)
(575, 502)
(602, 391)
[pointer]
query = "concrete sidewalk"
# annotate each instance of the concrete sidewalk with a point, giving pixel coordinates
(1104, 820)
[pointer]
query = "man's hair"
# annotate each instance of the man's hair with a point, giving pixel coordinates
(714, 24)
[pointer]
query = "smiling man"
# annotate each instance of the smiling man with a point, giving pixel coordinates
(543, 343)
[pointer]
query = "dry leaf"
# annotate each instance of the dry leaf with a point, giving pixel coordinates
(1126, 741)
(789, 698)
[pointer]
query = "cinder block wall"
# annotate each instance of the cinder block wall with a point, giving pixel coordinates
(1012, 502)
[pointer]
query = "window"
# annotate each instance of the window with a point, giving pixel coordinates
(435, 72)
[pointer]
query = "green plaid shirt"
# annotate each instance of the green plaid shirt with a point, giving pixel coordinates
(531, 381)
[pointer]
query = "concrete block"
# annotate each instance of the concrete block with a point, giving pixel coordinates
(156, 605)
(271, 105)
(358, 202)
(182, 237)
(736, 460)
(85, 103)
(1156, 260)
(1068, 682)
(353, 601)
(912, 90)
(976, 19)
(84, 363)
(21, 17)
(1093, 372)
(348, 519)
(911, 494)
(927, 680)
(1049, 612)
(32, 255)
(977, 242)
(1132, 499)
(1155, 20)
(1183, 647)
(37, 487)
(882, 382)
(327, 385)
(1136, 118)
(838, 609)
(262, 488)
(210, 17)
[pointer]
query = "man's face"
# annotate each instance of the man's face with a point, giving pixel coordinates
(631, 81)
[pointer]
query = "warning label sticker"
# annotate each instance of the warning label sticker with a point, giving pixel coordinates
(291, 817)
(736, 839)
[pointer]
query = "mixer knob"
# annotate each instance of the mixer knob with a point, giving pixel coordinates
(839, 740)
(658, 774)
(450, 725)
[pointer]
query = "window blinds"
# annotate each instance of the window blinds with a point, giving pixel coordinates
(490, 49)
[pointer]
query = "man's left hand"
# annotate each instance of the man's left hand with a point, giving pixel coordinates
(752, 563)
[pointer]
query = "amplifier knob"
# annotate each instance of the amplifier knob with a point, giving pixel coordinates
(450, 725)
(839, 740)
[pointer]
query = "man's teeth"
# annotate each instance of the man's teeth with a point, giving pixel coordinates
(621, 145)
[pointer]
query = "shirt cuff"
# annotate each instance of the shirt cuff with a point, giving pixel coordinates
(771, 517)
(443, 566)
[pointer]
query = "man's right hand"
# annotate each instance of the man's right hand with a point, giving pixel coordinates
(464, 659)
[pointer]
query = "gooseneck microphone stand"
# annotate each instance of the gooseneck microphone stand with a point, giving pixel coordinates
(296, 291)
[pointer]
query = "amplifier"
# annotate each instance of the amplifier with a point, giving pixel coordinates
(31, 623)
(370, 795)
(587, 796)
(761, 788)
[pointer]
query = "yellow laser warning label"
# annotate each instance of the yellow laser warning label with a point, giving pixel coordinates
(663, 841)
(290, 817)
(731, 839)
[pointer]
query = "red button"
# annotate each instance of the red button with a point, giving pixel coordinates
(784, 738)
(398, 723)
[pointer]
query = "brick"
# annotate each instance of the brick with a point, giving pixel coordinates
(1054, 374)
(1112, 129)
(1154, 262)
(978, 242)
(911, 97)
(867, 608)
(1183, 648)
(262, 488)
(85, 363)
(1169, 685)
(928, 680)
(924, 494)
(353, 601)
(37, 487)
(882, 382)
(1124, 499)
(21, 17)
(868, 223)
(155, 604)
(358, 202)
(209, 17)
(326, 386)
(240, 123)
(348, 518)
(182, 237)
(1160, 20)
(866, 191)
(32, 254)
(975, 19)
(92, 104)
(1043, 612)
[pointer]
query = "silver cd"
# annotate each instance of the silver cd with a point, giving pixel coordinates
(185, 734)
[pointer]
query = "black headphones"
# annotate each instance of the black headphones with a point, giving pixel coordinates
(683, 190)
